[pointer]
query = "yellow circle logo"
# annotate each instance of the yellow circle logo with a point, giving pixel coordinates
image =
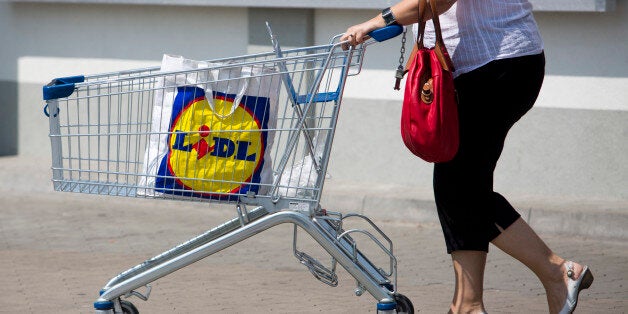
(215, 150)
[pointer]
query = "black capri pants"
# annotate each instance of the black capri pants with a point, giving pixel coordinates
(490, 100)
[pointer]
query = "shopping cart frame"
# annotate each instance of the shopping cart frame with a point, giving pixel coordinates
(325, 227)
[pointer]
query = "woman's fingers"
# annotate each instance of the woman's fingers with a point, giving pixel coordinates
(354, 35)
(349, 40)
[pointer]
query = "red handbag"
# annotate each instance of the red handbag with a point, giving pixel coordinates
(429, 117)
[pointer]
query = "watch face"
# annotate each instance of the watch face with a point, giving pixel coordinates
(389, 19)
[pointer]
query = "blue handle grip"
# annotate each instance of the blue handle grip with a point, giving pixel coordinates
(386, 33)
(61, 87)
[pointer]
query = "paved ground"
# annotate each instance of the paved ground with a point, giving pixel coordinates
(58, 249)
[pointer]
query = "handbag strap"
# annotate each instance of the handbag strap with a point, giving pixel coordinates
(439, 48)
(436, 21)
(443, 58)
(421, 32)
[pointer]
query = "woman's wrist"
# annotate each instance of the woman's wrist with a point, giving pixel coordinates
(377, 22)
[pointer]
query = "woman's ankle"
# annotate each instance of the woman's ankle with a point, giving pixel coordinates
(554, 273)
(469, 308)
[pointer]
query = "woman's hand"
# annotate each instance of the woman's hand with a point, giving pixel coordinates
(357, 34)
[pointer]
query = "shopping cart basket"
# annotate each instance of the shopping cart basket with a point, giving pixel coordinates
(109, 131)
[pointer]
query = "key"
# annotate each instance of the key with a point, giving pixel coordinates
(399, 76)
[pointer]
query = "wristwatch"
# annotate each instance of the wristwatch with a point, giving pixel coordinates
(388, 17)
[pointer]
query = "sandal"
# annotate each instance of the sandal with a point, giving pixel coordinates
(574, 286)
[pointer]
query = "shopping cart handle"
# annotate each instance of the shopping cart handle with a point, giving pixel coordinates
(61, 87)
(386, 33)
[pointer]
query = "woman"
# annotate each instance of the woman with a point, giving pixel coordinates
(498, 55)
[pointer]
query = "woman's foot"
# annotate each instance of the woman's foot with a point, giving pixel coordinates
(562, 296)
(574, 285)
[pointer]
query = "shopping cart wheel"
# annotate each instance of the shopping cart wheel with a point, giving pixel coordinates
(404, 305)
(128, 308)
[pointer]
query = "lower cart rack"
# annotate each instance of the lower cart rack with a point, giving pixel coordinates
(324, 229)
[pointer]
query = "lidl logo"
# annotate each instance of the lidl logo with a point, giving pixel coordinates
(214, 150)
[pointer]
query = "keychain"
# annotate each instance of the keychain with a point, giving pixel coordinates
(400, 69)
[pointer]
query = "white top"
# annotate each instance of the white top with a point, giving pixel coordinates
(478, 32)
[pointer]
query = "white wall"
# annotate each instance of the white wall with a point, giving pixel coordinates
(46, 41)
(587, 63)
(124, 32)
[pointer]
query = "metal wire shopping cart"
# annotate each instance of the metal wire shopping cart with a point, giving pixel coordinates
(112, 135)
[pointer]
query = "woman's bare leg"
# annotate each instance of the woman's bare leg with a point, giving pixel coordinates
(522, 243)
(469, 270)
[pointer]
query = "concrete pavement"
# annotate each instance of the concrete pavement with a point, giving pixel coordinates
(58, 249)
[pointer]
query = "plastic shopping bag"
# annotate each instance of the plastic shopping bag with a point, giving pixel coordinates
(300, 179)
(212, 131)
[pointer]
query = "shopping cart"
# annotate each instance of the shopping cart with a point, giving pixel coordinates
(104, 128)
